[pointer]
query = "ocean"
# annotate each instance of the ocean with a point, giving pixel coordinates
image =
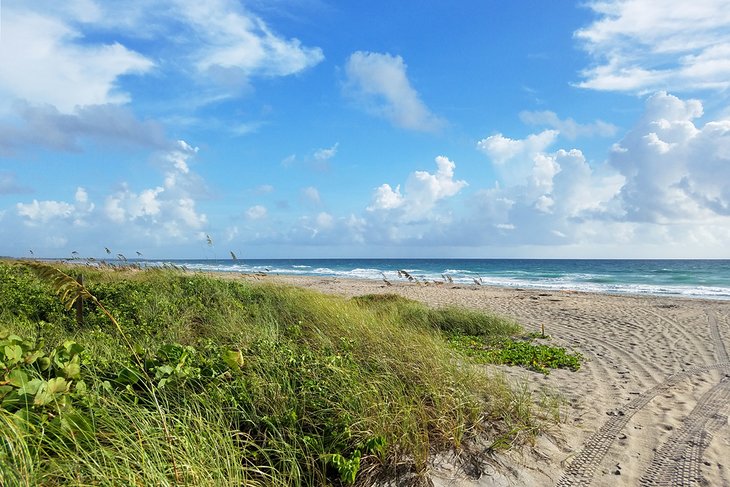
(708, 279)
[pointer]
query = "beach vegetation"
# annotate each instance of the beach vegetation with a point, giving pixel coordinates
(175, 378)
(485, 337)
(520, 351)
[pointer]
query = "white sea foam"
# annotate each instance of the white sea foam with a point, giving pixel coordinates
(538, 279)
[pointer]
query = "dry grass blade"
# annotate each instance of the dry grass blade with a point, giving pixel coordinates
(65, 286)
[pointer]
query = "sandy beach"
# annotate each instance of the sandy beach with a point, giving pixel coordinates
(649, 406)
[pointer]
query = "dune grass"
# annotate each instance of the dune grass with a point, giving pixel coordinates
(219, 382)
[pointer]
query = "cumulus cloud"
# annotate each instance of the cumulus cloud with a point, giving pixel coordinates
(665, 184)
(386, 198)
(380, 83)
(674, 169)
(45, 61)
(514, 160)
(502, 149)
(568, 127)
(170, 206)
(422, 191)
(640, 46)
(43, 212)
(256, 212)
(554, 202)
(127, 205)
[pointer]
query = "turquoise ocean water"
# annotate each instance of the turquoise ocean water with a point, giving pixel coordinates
(689, 278)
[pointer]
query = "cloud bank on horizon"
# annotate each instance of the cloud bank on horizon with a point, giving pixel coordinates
(301, 130)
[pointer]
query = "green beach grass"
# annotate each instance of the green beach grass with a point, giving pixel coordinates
(188, 379)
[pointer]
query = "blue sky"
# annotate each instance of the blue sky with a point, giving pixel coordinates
(365, 129)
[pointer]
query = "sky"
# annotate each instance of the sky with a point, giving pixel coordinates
(321, 128)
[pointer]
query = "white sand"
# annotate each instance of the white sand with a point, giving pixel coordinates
(649, 406)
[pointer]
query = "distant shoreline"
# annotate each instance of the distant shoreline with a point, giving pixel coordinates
(693, 279)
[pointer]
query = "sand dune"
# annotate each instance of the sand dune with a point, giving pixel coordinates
(649, 407)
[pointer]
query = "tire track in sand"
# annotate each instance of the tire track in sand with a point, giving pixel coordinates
(684, 344)
(677, 462)
(720, 350)
(581, 469)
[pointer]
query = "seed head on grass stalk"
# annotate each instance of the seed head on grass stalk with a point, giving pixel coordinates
(69, 291)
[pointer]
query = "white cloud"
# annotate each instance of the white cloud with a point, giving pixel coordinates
(385, 198)
(45, 62)
(126, 205)
(674, 170)
(515, 160)
(505, 226)
(256, 212)
(426, 188)
(235, 42)
(379, 81)
(51, 53)
(170, 206)
(555, 201)
(568, 127)
(44, 211)
(664, 188)
(544, 171)
(186, 212)
(50, 211)
(81, 196)
(502, 149)
(310, 194)
(326, 154)
(324, 221)
(422, 191)
(641, 46)
(180, 156)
